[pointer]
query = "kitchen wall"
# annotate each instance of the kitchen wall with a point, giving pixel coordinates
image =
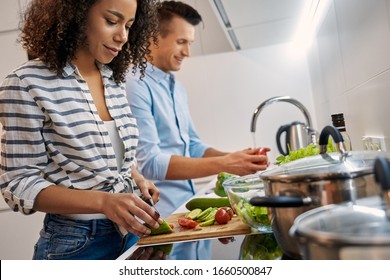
(347, 71)
(225, 89)
(349, 67)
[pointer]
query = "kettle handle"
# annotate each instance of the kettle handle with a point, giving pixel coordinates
(327, 131)
(283, 128)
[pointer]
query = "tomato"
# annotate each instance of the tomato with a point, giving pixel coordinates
(229, 210)
(222, 216)
(187, 222)
(226, 240)
(172, 226)
(264, 151)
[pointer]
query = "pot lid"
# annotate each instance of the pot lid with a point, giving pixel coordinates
(335, 165)
(362, 222)
(345, 224)
(325, 166)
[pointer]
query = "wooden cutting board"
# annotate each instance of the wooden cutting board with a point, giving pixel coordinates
(234, 227)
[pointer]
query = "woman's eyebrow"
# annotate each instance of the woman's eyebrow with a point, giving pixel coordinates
(119, 15)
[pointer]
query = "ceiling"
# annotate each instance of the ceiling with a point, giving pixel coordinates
(251, 23)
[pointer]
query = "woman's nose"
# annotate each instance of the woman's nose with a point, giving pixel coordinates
(122, 35)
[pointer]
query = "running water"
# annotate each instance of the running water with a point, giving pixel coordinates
(254, 140)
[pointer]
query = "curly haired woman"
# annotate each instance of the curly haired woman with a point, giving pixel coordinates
(69, 137)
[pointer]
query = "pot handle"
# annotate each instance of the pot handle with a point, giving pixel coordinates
(382, 176)
(280, 201)
(327, 131)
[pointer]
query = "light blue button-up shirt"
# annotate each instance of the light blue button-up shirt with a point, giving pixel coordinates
(160, 105)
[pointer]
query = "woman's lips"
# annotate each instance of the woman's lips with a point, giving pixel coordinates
(113, 51)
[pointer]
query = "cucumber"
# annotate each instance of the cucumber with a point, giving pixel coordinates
(203, 214)
(162, 229)
(206, 202)
(194, 213)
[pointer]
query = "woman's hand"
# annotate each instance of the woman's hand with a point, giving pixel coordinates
(129, 211)
(148, 253)
(147, 188)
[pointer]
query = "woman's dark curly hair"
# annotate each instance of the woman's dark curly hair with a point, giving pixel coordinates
(53, 30)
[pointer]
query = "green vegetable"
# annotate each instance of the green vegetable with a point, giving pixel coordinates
(209, 222)
(211, 215)
(194, 213)
(252, 214)
(222, 177)
(166, 248)
(206, 202)
(260, 247)
(201, 216)
(162, 229)
(310, 150)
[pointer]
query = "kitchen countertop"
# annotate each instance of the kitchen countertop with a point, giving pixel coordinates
(239, 247)
(261, 246)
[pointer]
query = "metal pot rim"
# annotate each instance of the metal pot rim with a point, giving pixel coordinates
(335, 217)
(286, 178)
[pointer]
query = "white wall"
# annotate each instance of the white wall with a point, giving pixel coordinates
(225, 89)
(349, 67)
(18, 232)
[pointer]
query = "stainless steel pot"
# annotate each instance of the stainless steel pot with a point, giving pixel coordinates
(348, 231)
(299, 186)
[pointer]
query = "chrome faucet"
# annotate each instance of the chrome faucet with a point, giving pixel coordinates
(288, 99)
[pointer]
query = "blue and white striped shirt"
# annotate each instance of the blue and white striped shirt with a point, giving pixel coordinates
(52, 134)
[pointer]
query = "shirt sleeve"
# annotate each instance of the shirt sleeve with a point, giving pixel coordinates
(23, 152)
(153, 163)
(197, 147)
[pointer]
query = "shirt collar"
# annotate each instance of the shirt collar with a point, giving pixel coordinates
(70, 69)
(157, 74)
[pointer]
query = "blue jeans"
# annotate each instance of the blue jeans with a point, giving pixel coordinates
(62, 238)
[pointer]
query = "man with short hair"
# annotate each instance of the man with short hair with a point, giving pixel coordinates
(170, 152)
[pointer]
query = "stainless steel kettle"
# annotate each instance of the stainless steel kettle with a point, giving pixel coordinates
(298, 135)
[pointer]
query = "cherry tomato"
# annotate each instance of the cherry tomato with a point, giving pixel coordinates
(222, 216)
(187, 222)
(229, 210)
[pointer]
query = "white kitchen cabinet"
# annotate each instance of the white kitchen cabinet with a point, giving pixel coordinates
(18, 234)
(363, 30)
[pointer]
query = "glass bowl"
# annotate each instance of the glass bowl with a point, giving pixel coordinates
(239, 191)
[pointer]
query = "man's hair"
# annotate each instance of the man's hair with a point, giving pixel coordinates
(168, 9)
